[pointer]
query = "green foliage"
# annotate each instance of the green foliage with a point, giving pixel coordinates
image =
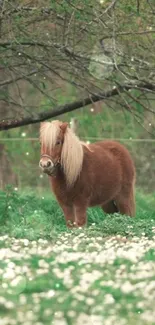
(82, 10)
(25, 214)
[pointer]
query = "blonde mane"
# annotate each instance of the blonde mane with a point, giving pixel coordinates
(72, 149)
(49, 132)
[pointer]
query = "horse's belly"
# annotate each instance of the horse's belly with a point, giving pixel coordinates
(100, 199)
(104, 193)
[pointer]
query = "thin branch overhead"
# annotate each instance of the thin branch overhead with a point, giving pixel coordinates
(42, 116)
(59, 52)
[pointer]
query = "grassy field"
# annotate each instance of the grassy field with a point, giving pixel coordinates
(103, 274)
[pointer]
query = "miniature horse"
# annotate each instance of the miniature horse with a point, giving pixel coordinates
(81, 175)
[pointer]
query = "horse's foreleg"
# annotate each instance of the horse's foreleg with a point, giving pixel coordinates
(68, 211)
(80, 215)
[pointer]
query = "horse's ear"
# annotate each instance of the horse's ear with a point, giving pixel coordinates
(64, 126)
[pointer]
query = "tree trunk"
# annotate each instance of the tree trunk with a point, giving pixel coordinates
(7, 176)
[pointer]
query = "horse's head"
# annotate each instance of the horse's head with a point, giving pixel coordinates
(51, 140)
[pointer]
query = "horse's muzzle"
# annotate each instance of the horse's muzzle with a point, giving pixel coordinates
(49, 171)
(47, 166)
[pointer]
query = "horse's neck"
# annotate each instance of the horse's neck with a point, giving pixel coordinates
(59, 178)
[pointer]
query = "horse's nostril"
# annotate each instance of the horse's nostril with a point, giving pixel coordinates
(48, 163)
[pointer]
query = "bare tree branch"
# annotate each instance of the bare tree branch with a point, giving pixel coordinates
(42, 116)
(23, 76)
(48, 40)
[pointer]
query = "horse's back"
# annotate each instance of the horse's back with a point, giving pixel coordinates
(118, 153)
(112, 147)
(113, 171)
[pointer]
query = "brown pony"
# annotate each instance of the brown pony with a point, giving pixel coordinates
(84, 175)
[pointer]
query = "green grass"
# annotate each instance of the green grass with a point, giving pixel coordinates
(26, 215)
(102, 274)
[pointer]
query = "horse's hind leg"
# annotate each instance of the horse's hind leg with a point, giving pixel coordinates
(109, 207)
(126, 203)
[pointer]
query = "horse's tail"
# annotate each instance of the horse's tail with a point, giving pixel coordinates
(132, 199)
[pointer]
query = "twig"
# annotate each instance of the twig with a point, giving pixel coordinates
(42, 116)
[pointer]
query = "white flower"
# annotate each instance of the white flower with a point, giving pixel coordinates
(127, 287)
(50, 293)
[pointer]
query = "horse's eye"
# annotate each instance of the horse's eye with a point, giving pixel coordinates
(58, 143)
